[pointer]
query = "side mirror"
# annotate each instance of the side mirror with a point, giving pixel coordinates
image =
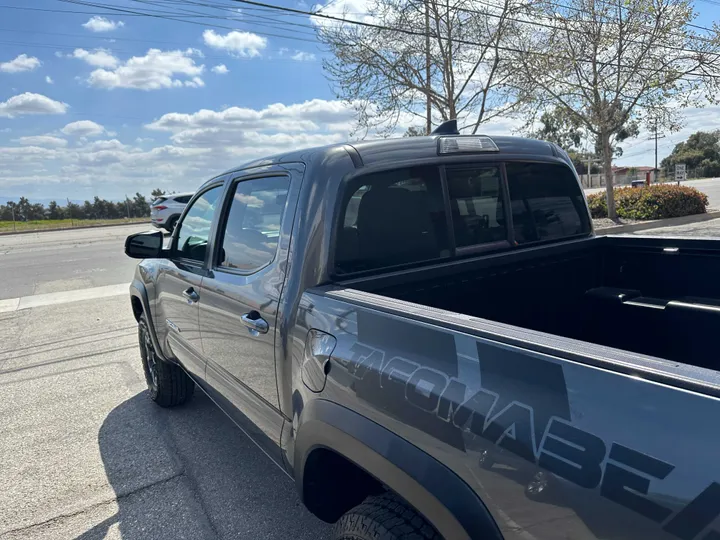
(145, 245)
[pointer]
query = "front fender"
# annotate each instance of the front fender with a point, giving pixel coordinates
(441, 496)
(138, 290)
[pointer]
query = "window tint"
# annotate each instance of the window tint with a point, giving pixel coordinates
(546, 201)
(477, 205)
(194, 229)
(183, 199)
(252, 228)
(392, 218)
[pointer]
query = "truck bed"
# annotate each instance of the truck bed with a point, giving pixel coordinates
(653, 296)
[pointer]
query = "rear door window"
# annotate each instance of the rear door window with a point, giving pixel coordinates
(392, 218)
(476, 202)
(546, 201)
(252, 227)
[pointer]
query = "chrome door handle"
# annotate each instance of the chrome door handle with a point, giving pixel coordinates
(190, 295)
(255, 323)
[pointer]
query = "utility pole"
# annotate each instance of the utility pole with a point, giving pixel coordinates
(428, 109)
(72, 221)
(656, 137)
(127, 204)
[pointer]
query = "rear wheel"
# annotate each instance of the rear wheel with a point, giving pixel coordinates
(170, 225)
(383, 517)
(168, 384)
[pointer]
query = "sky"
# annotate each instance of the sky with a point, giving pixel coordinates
(95, 101)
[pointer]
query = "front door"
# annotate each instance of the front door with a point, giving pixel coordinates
(240, 301)
(179, 282)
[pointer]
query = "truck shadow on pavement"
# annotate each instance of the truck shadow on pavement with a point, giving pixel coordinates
(190, 472)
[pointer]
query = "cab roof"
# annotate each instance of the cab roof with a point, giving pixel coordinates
(374, 152)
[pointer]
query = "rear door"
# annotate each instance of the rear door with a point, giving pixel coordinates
(179, 281)
(240, 300)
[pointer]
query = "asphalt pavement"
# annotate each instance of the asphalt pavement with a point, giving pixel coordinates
(84, 453)
(53, 261)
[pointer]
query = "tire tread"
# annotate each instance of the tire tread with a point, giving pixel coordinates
(384, 517)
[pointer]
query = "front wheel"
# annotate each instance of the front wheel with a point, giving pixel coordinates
(168, 384)
(383, 517)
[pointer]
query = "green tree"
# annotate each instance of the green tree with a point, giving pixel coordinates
(141, 208)
(413, 131)
(613, 65)
(157, 192)
(701, 151)
(55, 211)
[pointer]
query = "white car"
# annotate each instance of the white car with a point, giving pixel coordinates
(165, 210)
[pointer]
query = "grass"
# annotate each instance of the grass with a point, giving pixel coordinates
(49, 224)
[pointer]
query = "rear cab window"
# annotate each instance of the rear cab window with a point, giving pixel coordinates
(417, 215)
(547, 202)
(392, 218)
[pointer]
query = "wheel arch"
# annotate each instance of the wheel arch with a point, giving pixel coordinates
(430, 487)
(140, 305)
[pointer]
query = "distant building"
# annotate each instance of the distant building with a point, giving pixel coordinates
(625, 175)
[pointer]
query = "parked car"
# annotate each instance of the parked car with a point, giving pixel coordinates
(165, 210)
(376, 315)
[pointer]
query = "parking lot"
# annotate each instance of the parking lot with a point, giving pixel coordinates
(83, 453)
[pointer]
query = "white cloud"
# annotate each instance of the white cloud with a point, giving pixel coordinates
(207, 127)
(302, 56)
(101, 24)
(30, 103)
(349, 10)
(195, 82)
(157, 69)
(22, 62)
(83, 128)
(244, 44)
(220, 69)
(48, 79)
(42, 140)
(101, 58)
(5, 130)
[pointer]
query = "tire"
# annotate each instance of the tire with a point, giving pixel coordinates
(170, 225)
(383, 517)
(168, 384)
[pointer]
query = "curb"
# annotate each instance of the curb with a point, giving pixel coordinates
(10, 233)
(670, 222)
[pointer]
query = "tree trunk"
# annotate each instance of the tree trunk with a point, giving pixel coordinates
(607, 168)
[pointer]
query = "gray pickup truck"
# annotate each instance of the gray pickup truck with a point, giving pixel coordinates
(426, 335)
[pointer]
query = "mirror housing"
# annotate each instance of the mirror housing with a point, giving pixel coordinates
(145, 245)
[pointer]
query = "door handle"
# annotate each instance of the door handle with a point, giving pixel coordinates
(255, 323)
(191, 295)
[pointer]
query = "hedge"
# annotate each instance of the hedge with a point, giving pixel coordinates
(651, 202)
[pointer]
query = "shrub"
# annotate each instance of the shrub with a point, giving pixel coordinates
(598, 205)
(659, 201)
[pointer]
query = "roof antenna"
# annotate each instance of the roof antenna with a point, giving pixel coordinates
(449, 127)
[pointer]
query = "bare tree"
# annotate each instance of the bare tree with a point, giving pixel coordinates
(447, 53)
(613, 64)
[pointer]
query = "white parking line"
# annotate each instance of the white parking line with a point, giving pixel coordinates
(49, 299)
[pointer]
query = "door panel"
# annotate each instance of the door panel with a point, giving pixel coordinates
(179, 281)
(240, 301)
(181, 315)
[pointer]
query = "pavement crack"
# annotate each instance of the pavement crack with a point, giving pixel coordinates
(118, 498)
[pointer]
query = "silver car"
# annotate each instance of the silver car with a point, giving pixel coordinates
(165, 210)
